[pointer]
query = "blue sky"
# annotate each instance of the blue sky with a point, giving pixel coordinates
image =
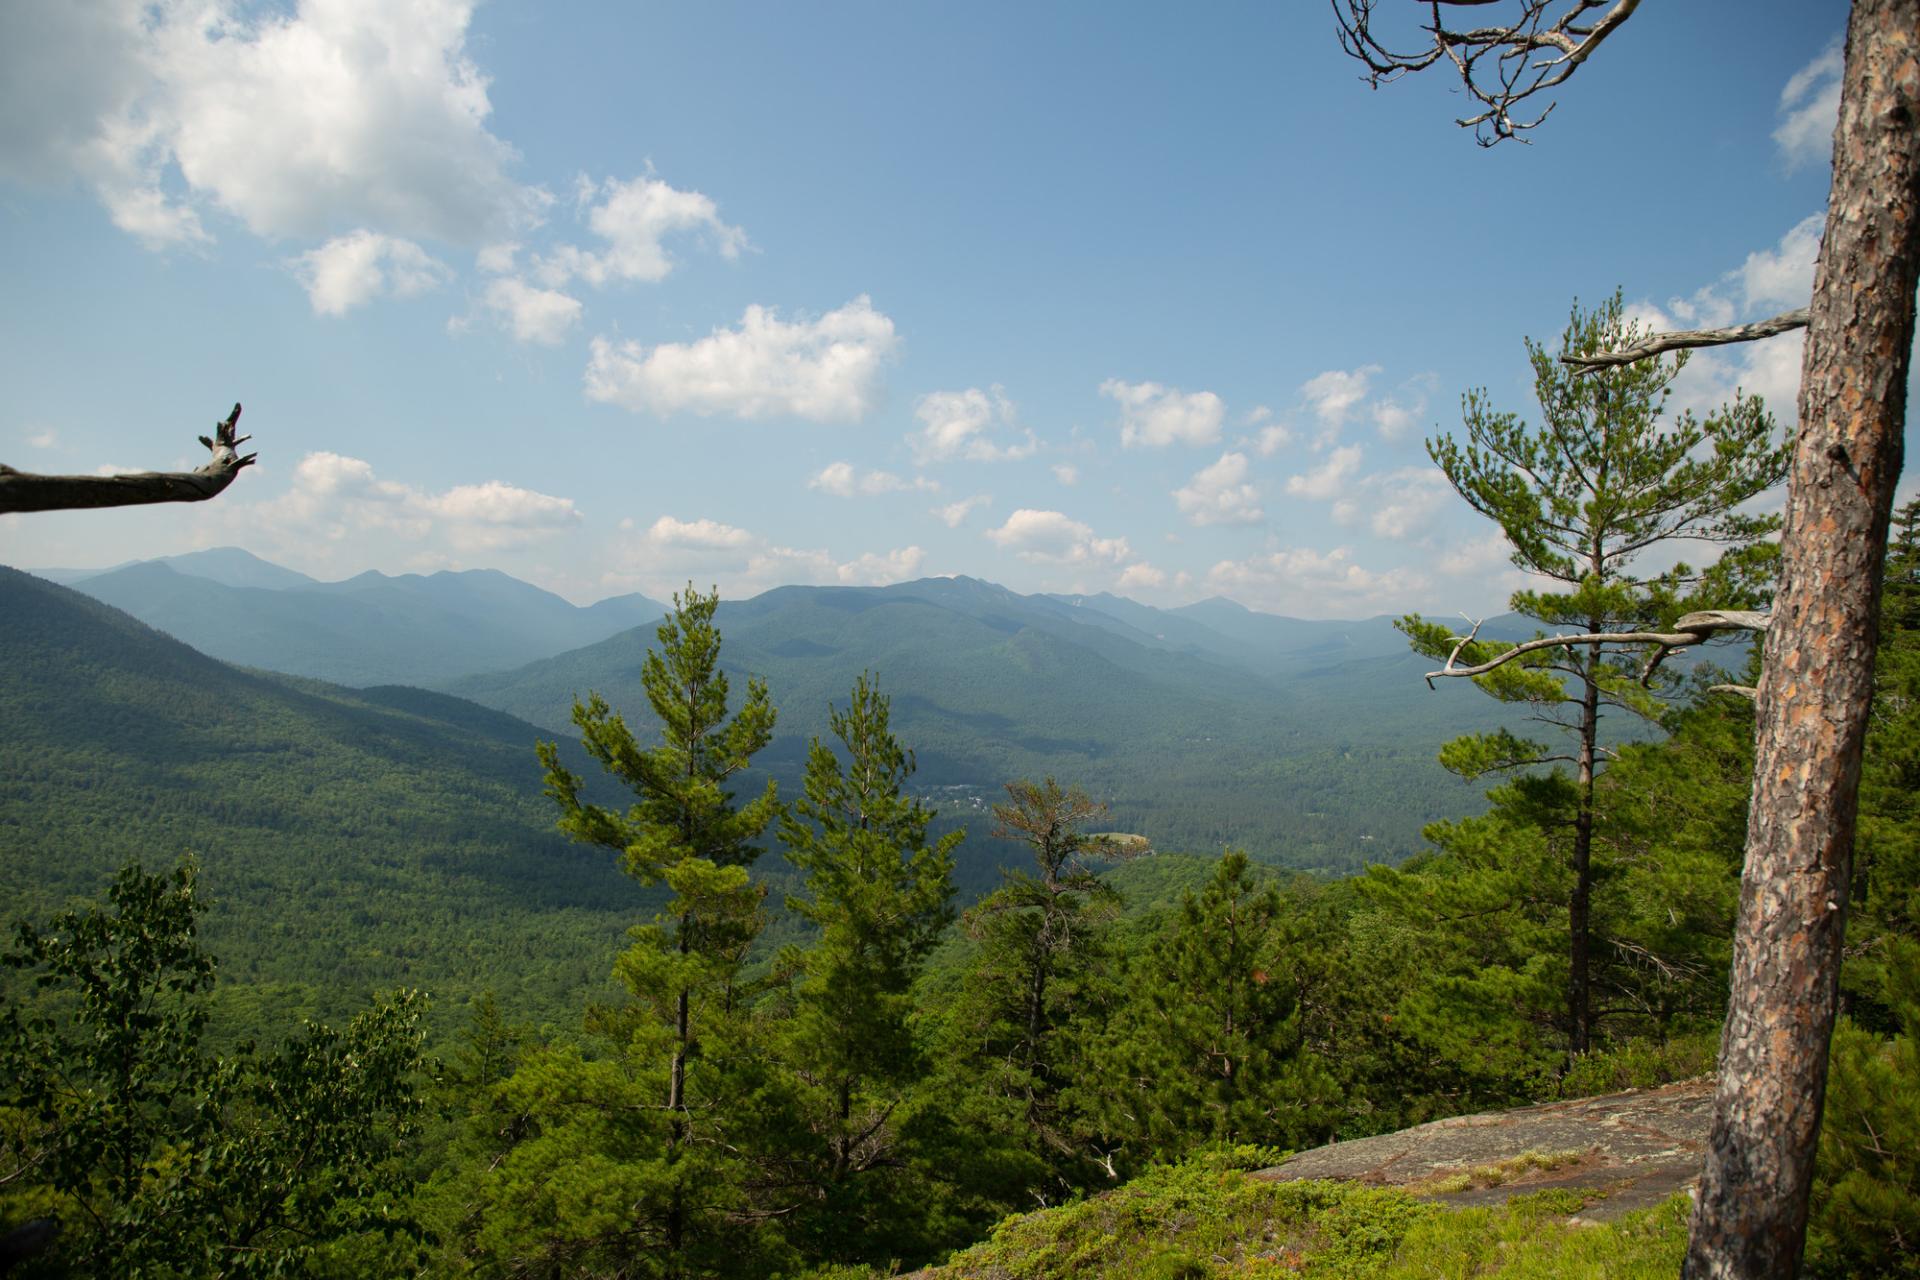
(1154, 299)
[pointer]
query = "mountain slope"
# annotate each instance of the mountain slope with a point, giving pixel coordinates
(1192, 750)
(369, 629)
(351, 840)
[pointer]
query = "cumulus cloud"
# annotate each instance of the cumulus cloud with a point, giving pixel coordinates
(1398, 505)
(954, 514)
(1809, 106)
(1220, 494)
(541, 316)
(1306, 582)
(1155, 416)
(1056, 537)
(337, 499)
(825, 369)
(1330, 478)
(1066, 473)
(1333, 395)
(339, 114)
(1142, 576)
(1771, 279)
(1782, 276)
(743, 562)
(633, 219)
(971, 424)
(842, 480)
(877, 569)
(700, 535)
(351, 270)
(44, 439)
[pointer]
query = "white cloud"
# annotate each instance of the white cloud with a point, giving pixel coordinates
(842, 481)
(1272, 438)
(1142, 575)
(1397, 505)
(1332, 395)
(339, 500)
(1769, 280)
(878, 569)
(351, 270)
(1809, 106)
(634, 218)
(702, 535)
(965, 424)
(954, 514)
(1318, 584)
(44, 439)
(1220, 494)
(1053, 536)
(824, 370)
(743, 562)
(1329, 479)
(340, 114)
(542, 316)
(1156, 415)
(1066, 473)
(1783, 275)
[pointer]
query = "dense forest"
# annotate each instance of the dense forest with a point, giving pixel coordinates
(896, 1075)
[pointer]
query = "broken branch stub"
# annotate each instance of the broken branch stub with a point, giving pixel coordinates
(25, 491)
(1686, 339)
(1691, 629)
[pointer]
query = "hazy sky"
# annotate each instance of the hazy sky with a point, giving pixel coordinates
(1159, 299)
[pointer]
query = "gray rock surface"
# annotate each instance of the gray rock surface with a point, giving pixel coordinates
(1623, 1151)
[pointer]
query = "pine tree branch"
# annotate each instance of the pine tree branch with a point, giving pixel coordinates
(24, 491)
(1679, 339)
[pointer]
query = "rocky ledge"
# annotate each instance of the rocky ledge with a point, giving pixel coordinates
(1623, 1151)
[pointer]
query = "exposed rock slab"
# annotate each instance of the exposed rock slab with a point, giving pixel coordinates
(1625, 1151)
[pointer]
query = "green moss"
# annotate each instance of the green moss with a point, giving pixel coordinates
(1204, 1220)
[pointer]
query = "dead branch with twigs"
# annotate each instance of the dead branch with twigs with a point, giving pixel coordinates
(24, 491)
(1500, 66)
(1690, 630)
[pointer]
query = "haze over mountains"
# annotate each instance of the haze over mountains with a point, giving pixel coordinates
(1310, 743)
(369, 629)
(368, 837)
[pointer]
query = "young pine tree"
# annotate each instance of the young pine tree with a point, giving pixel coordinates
(685, 832)
(1605, 479)
(1210, 1043)
(880, 893)
(1041, 937)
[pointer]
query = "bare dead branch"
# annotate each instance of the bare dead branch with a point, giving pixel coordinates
(1744, 690)
(1496, 64)
(1691, 629)
(24, 491)
(1680, 339)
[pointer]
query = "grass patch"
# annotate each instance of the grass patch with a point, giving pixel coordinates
(1207, 1220)
(1452, 1182)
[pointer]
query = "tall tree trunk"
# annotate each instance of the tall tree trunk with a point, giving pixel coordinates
(1580, 905)
(1815, 691)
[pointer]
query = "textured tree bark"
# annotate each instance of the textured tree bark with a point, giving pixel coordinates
(1815, 690)
(24, 491)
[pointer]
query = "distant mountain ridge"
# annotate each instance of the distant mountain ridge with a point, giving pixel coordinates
(1311, 743)
(369, 629)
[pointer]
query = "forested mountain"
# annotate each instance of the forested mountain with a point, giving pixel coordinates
(1197, 738)
(369, 629)
(352, 840)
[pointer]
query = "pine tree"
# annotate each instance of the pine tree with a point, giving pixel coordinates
(1605, 477)
(880, 893)
(1210, 1043)
(1041, 941)
(684, 832)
